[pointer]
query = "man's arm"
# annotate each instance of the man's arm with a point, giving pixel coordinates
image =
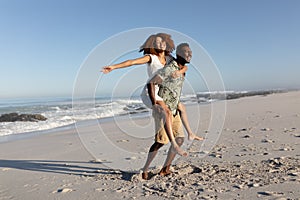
(151, 87)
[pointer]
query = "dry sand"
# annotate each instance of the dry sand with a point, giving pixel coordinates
(256, 157)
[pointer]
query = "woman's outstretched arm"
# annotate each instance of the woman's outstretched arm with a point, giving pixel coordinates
(127, 63)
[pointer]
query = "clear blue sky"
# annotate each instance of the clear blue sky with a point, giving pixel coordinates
(255, 44)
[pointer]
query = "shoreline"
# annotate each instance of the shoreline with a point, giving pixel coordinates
(83, 123)
(229, 96)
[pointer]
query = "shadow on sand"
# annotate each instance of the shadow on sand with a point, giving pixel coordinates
(65, 167)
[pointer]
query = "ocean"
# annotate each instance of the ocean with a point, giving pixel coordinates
(62, 112)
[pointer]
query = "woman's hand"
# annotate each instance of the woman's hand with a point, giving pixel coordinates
(107, 69)
(176, 74)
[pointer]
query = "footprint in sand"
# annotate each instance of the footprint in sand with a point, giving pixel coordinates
(131, 158)
(270, 193)
(122, 141)
(63, 190)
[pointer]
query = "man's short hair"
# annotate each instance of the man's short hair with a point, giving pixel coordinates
(180, 46)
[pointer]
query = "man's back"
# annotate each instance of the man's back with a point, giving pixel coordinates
(170, 88)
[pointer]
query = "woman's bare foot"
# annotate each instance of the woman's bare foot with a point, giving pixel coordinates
(178, 150)
(193, 136)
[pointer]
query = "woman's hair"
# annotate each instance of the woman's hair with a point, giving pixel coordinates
(149, 45)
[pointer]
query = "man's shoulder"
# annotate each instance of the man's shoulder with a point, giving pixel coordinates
(173, 63)
(169, 59)
(172, 66)
(167, 70)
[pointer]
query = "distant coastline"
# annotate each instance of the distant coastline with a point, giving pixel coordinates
(235, 95)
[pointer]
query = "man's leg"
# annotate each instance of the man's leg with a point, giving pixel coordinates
(151, 155)
(171, 155)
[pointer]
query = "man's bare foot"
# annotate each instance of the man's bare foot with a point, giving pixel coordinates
(178, 150)
(193, 136)
(145, 176)
(165, 171)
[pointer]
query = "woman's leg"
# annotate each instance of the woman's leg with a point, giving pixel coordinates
(185, 122)
(168, 127)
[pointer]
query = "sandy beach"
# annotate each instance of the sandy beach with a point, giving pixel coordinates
(256, 156)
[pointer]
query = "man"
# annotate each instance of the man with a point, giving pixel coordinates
(170, 90)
